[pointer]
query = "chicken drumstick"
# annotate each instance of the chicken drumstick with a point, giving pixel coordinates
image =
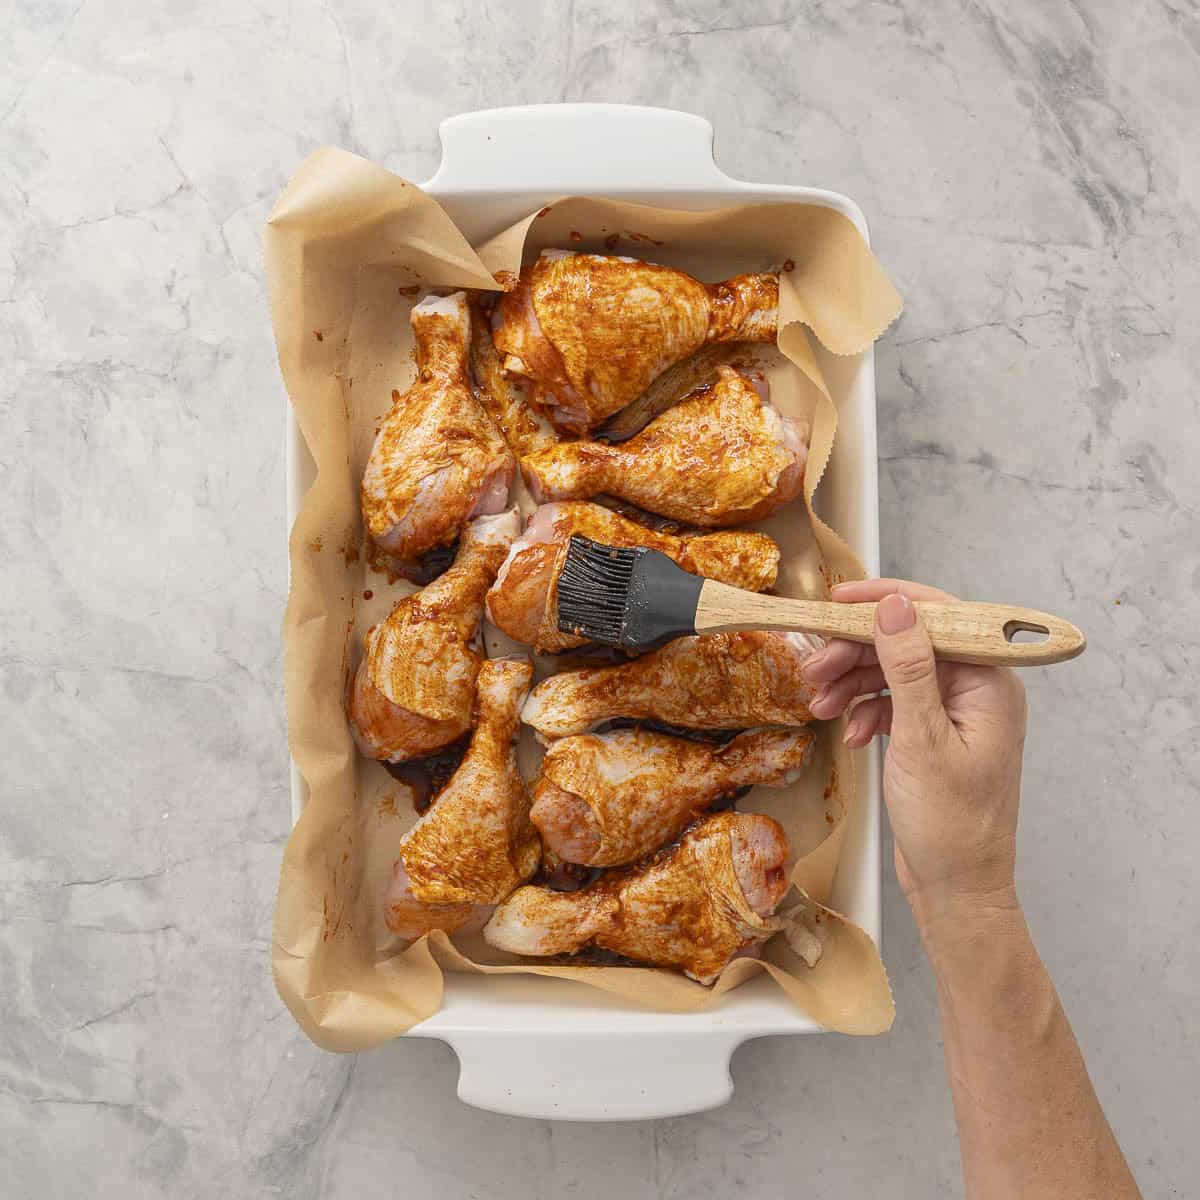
(606, 799)
(714, 681)
(438, 458)
(695, 906)
(523, 601)
(475, 845)
(592, 332)
(413, 691)
(722, 456)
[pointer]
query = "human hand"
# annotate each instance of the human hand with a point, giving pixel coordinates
(952, 772)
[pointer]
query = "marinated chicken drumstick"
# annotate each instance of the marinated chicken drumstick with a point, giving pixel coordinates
(475, 845)
(414, 689)
(722, 456)
(438, 459)
(523, 601)
(503, 397)
(694, 906)
(592, 332)
(715, 681)
(606, 799)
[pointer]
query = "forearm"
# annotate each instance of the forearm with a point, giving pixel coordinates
(1029, 1121)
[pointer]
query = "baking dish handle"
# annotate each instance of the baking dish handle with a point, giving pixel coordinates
(595, 1076)
(577, 148)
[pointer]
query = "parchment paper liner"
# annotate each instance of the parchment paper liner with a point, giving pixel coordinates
(348, 248)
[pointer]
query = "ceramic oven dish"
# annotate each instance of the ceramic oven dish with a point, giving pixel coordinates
(548, 1048)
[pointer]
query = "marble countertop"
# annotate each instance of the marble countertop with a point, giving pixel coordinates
(1029, 171)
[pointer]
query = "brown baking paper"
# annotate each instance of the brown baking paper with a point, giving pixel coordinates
(349, 248)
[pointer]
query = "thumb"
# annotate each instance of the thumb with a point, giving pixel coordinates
(906, 656)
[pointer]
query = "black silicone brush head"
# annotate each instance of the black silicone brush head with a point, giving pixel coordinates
(624, 596)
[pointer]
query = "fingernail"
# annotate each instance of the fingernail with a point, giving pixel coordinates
(837, 587)
(851, 729)
(895, 614)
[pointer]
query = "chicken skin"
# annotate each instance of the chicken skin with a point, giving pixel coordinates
(713, 681)
(438, 459)
(722, 456)
(414, 689)
(476, 844)
(591, 332)
(524, 599)
(695, 906)
(606, 799)
(502, 397)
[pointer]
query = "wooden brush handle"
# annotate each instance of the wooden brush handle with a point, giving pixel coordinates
(961, 631)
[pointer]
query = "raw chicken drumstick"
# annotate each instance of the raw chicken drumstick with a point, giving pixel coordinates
(475, 845)
(504, 398)
(606, 799)
(523, 600)
(695, 906)
(592, 332)
(414, 689)
(722, 456)
(438, 458)
(714, 681)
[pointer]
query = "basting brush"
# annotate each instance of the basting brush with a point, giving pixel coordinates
(636, 597)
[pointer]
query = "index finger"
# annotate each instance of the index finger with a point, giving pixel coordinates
(863, 591)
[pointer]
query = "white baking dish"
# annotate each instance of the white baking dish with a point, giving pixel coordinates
(550, 1048)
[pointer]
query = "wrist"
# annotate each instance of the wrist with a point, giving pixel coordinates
(949, 921)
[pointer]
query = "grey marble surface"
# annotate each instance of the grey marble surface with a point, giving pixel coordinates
(1030, 172)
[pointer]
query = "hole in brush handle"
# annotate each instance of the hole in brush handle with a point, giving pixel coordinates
(999, 634)
(1025, 631)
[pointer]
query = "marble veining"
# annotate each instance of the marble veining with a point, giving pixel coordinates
(1029, 174)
